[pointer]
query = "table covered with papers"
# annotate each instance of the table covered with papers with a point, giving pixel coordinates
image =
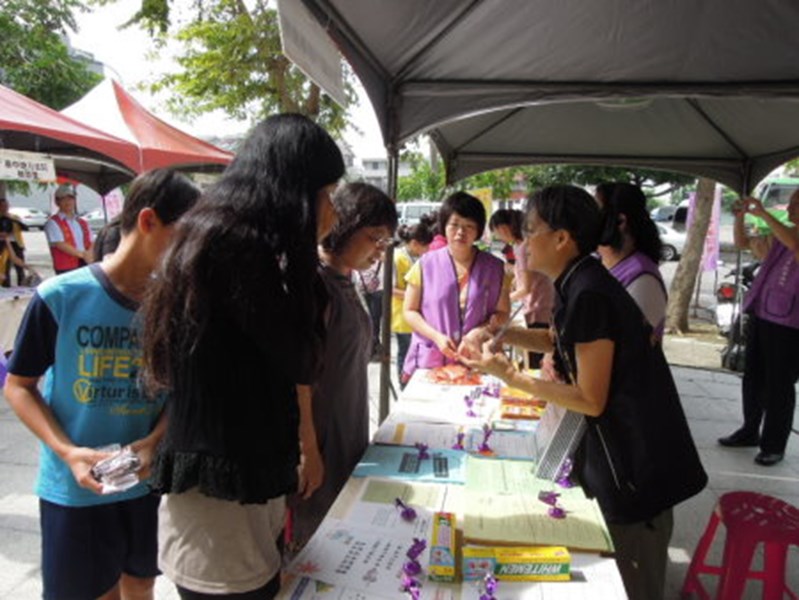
(455, 472)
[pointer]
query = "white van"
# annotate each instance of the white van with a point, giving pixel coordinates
(410, 212)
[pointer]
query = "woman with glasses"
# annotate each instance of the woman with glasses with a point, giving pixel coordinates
(637, 457)
(531, 288)
(454, 289)
(367, 220)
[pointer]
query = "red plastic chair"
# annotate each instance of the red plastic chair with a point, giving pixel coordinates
(750, 518)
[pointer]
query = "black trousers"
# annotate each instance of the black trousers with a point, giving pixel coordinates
(770, 374)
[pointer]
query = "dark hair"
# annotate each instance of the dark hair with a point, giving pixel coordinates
(467, 206)
(167, 192)
(253, 233)
(512, 218)
(421, 232)
(627, 199)
(572, 209)
(107, 239)
(359, 205)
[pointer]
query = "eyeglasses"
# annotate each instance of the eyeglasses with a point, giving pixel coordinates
(380, 242)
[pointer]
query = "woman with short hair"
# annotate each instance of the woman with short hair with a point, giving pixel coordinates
(454, 289)
(637, 456)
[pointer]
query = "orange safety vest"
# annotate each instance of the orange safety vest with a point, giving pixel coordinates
(61, 260)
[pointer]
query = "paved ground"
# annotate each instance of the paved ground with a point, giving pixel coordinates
(712, 403)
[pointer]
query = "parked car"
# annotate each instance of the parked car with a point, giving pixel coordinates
(31, 217)
(410, 212)
(673, 242)
(663, 213)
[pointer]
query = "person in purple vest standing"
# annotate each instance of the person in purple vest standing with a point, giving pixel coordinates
(772, 360)
(630, 249)
(454, 289)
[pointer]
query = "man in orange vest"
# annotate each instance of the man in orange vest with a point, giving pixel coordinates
(69, 236)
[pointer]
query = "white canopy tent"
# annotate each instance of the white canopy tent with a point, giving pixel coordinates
(709, 88)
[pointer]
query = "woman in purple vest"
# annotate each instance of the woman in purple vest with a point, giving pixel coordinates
(630, 249)
(772, 361)
(454, 289)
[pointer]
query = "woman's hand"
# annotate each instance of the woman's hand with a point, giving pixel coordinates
(487, 361)
(311, 472)
(472, 343)
(754, 207)
(446, 346)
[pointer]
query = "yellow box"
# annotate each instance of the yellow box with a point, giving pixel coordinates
(519, 563)
(442, 548)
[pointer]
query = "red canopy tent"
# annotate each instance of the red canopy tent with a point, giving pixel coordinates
(113, 110)
(79, 152)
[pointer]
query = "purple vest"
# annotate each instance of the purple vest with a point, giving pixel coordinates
(774, 295)
(440, 306)
(631, 268)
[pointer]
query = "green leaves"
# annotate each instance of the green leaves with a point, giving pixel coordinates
(33, 56)
(230, 59)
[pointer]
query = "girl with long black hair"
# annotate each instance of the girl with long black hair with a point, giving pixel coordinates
(231, 329)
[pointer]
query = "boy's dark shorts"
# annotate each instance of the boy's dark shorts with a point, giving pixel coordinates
(86, 549)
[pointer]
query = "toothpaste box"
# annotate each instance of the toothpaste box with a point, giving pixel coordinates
(527, 563)
(442, 548)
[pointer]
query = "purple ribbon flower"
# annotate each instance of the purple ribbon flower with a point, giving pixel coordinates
(422, 448)
(458, 445)
(410, 585)
(489, 587)
(469, 400)
(550, 498)
(492, 390)
(416, 548)
(556, 512)
(411, 568)
(484, 447)
(564, 473)
(406, 512)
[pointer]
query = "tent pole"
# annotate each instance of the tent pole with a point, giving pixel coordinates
(388, 286)
(734, 339)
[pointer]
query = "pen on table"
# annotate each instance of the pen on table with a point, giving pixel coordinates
(501, 331)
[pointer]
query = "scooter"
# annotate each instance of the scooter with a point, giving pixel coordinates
(728, 302)
(732, 323)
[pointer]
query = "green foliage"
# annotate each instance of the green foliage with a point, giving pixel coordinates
(426, 183)
(34, 59)
(423, 183)
(230, 59)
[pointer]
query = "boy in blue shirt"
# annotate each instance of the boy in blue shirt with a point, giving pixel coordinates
(79, 333)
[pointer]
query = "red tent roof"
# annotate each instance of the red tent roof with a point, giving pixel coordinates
(112, 109)
(28, 125)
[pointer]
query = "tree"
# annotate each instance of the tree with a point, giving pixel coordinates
(587, 175)
(34, 60)
(425, 181)
(230, 58)
(682, 286)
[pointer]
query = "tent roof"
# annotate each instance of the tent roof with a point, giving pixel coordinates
(712, 137)
(86, 154)
(424, 64)
(112, 109)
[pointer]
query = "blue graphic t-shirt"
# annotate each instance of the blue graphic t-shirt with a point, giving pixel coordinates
(79, 332)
